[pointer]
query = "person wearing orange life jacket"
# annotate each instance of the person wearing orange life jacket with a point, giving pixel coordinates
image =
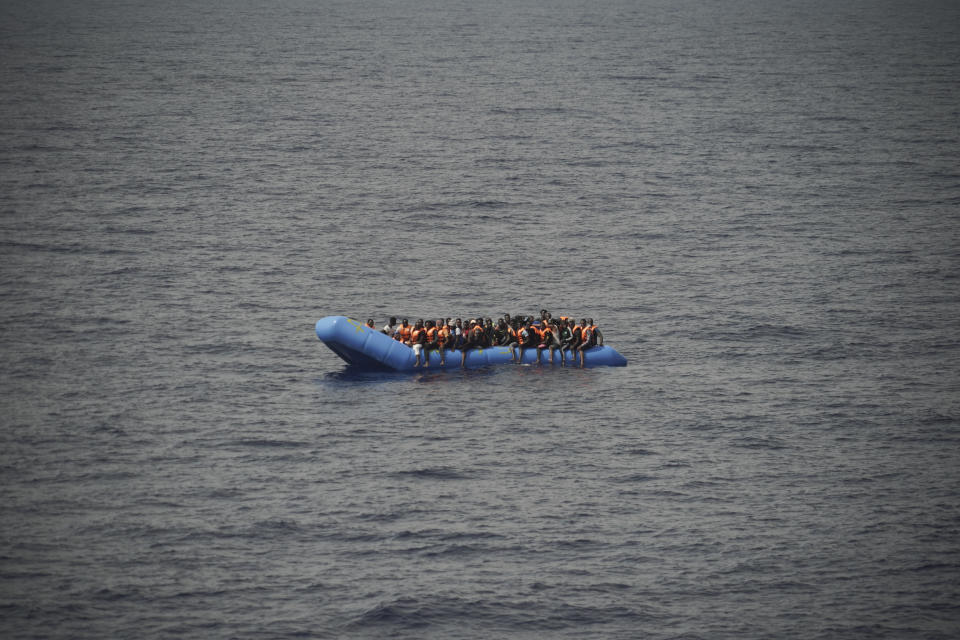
(418, 335)
(370, 324)
(597, 335)
(431, 341)
(575, 332)
(527, 338)
(403, 332)
(545, 332)
(549, 339)
(474, 340)
(513, 337)
(587, 339)
(444, 337)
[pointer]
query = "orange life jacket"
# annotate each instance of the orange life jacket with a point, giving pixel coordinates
(586, 335)
(444, 335)
(415, 335)
(432, 334)
(403, 333)
(528, 331)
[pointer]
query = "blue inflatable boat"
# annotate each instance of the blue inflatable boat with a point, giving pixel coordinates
(368, 348)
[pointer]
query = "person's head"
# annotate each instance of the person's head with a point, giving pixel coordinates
(405, 322)
(369, 322)
(583, 321)
(448, 321)
(430, 324)
(419, 322)
(501, 324)
(393, 320)
(489, 322)
(571, 322)
(459, 322)
(590, 321)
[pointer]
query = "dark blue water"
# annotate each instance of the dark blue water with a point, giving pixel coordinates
(759, 202)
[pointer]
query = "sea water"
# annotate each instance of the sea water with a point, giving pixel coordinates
(756, 201)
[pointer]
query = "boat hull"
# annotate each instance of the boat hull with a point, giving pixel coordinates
(367, 348)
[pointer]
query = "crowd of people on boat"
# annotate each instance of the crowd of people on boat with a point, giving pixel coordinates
(518, 333)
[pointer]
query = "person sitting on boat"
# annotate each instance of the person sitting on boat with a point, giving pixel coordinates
(466, 340)
(501, 334)
(370, 324)
(430, 342)
(597, 335)
(391, 327)
(549, 339)
(474, 340)
(575, 331)
(403, 332)
(546, 338)
(508, 337)
(444, 337)
(418, 336)
(488, 340)
(586, 340)
(563, 339)
(458, 335)
(527, 338)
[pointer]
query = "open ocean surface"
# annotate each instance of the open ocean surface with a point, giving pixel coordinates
(759, 201)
